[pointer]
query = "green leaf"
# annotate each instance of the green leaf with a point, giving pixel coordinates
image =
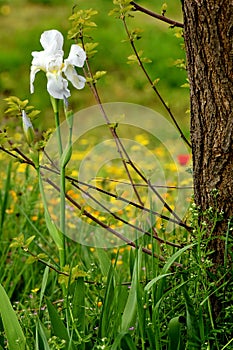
(59, 329)
(18, 242)
(156, 279)
(104, 261)
(3, 137)
(167, 266)
(127, 342)
(29, 241)
(15, 107)
(14, 334)
(107, 305)
(174, 328)
(52, 228)
(90, 49)
(123, 341)
(132, 59)
(32, 115)
(4, 197)
(156, 81)
(174, 257)
(99, 74)
(193, 330)
(43, 284)
(31, 259)
(40, 330)
(79, 304)
(131, 304)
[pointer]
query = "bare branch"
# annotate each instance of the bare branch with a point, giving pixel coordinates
(141, 65)
(156, 15)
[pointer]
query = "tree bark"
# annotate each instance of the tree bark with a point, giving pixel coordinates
(208, 29)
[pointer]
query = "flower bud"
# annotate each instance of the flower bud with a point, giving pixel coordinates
(27, 127)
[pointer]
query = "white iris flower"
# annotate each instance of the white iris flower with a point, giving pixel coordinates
(51, 62)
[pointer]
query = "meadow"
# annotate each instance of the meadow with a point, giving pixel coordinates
(131, 269)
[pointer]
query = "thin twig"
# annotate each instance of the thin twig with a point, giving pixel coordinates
(52, 267)
(125, 221)
(108, 228)
(145, 185)
(153, 85)
(74, 181)
(121, 149)
(119, 145)
(156, 15)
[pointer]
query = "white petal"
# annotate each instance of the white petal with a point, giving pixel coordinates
(33, 72)
(77, 80)
(52, 40)
(40, 59)
(77, 56)
(57, 86)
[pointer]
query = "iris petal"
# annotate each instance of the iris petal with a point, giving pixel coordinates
(77, 80)
(77, 56)
(52, 40)
(57, 86)
(33, 72)
(50, 60)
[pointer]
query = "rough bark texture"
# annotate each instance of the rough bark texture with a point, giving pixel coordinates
(208, 33)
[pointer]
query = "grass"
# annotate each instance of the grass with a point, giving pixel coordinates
(145, 294)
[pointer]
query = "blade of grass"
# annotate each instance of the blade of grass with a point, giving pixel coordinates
(43, 284)
(10, 279)
(107, 305)
(118, 342)
(141, 314)
(14, 333)
(40, 331)
(174, 333)
(79, 304)
(167, 266)
(131, 304)
(2, 340)
(4, 197)
(59, 329)
(226, 346)
(151, 337)
(174, 257)
(127, 342)
(194, 339)
(104, 261)
(155, 280)
(52, 228)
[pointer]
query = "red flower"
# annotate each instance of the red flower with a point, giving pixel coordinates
(183, 159)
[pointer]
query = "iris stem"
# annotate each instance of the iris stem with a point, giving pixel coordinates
(62, 247)
(62, 251)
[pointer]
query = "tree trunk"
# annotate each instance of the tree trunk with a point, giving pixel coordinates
(208, 29)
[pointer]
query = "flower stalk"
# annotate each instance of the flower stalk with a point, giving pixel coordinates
(58, 72)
